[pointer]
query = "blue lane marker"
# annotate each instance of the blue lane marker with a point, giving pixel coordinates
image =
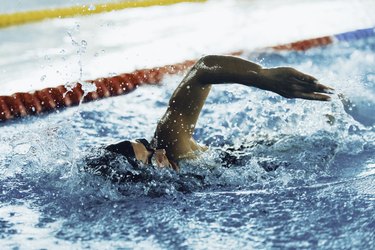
(354, 35)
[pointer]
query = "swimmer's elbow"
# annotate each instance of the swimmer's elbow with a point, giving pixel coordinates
(208, 60)
(208, 63)
(205, 67)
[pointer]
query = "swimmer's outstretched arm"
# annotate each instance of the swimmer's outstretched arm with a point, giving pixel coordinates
(175, 129)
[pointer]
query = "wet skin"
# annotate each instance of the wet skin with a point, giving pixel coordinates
(175, 129)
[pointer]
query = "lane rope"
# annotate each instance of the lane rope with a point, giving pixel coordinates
(46, 100)
(10, 19)
(305, 44)
(326, 40)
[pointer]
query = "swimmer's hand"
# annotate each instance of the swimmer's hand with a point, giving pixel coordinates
(291, 83)
(162, 160)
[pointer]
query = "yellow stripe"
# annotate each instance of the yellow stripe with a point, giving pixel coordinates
(38, 15)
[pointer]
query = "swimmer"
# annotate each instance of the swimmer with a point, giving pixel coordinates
(173, 139)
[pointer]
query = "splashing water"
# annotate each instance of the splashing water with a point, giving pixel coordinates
(321, 195)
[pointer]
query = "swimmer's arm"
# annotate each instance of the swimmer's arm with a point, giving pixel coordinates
(285, 81)
(175, 129)
(189, 97)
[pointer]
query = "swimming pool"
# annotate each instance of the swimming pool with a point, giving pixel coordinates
(322, 195)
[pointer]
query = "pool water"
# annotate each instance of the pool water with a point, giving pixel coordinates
(322, 195)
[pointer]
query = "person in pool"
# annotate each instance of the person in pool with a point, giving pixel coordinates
(173, 139)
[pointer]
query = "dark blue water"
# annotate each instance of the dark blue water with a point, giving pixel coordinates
(322, 195)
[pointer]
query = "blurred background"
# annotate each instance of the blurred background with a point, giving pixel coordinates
(57, 51)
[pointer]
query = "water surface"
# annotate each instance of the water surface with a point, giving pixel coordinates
(322, 194)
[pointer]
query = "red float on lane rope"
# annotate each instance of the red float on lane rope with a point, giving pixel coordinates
(46, 100)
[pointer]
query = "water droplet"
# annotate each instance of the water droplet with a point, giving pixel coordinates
(43, 77)
(87, 87)
(84, 43)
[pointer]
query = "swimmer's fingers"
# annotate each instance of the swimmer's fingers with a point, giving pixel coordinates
(323, 88)
(292, 83)
(317, 89)
(309, 88)
(312, 84)
(303, 78)
(313, 96)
